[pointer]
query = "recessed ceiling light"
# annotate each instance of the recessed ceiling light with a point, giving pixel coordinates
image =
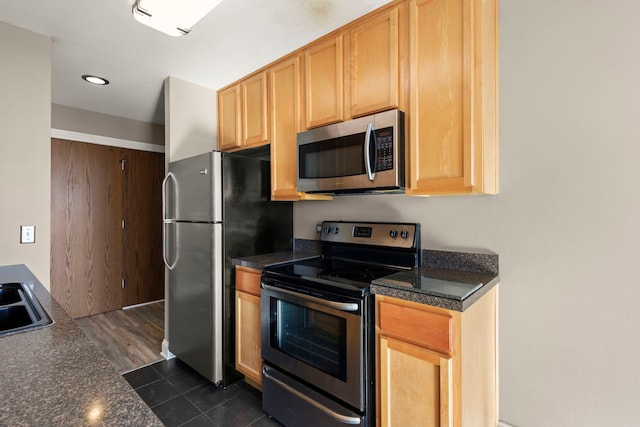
(170, 16)
(95, 80)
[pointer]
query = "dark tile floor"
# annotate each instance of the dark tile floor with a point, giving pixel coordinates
(179, 396)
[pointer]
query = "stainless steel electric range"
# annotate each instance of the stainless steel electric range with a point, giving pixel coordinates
(318, 324)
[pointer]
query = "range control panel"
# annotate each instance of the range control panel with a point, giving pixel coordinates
(395, 235)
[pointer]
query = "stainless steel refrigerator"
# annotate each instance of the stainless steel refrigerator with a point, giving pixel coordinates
(216, 207)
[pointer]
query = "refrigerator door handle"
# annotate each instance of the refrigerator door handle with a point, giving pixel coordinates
(164, 246)
(171, 176)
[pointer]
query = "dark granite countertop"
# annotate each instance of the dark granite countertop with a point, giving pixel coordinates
(451, 280)
(56, 376)
(261, 261)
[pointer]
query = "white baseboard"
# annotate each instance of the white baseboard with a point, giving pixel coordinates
(166, 353)
(503, 424)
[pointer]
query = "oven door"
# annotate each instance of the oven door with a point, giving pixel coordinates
(318, 341)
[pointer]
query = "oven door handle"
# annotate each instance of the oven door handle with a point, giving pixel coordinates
(343, 419)
(342, 306)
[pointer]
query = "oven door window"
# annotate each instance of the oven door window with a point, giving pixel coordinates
(314, 337)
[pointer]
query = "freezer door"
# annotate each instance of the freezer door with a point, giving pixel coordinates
(195, 297)
(192, 189)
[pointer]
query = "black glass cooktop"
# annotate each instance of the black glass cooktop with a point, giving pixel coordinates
(331, 273)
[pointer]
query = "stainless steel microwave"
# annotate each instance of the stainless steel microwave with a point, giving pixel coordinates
(357, 156)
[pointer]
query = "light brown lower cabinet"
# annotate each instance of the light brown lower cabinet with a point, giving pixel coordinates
(437, 367)
(248, 353)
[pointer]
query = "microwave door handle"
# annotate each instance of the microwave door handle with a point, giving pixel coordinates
(369, 165)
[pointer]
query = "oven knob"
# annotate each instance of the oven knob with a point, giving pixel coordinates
(326, 230)
(404, 234)
(335, 230)
(393, 233)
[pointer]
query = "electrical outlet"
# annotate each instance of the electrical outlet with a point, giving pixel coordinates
(27, 234)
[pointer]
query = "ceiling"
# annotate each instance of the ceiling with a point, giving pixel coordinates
(102, 38)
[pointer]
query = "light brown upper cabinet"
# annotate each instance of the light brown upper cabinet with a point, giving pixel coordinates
(285, 95)
(255, 110)
(324, 82)
(453, 97)
(229, 118)
(286, 119)
(436, 60)
(243, 114)
(361, 67)
(376, 64)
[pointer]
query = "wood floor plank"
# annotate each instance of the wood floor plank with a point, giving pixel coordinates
(130, 338)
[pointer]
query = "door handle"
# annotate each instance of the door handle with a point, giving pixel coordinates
(371, 168)
(342, 306)
(171, 176)
(164, 246)
(342, 419)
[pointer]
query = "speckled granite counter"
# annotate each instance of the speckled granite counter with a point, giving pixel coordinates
(302, 249)
(261, 261)
(55, 376)
(451, 280)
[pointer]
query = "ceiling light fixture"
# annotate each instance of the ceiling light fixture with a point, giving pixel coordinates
(170, 16)
(95, 80)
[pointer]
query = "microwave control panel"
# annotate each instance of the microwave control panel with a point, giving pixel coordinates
(384, 147)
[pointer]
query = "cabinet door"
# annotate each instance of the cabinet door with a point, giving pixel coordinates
(375, 63)
(255, 125)
(416, 386)
(229, 118)
(284, 79)
(324, 75)
(248, 354)
(452, 103)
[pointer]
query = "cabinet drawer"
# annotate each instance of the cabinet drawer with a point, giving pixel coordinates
(426, 328)
(248, 280)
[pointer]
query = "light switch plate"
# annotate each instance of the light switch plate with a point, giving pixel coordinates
(27, 234)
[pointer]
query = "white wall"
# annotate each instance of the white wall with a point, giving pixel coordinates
(190, 129)
(93, 123)
(567, 224)
(190, 119)
(25, 153)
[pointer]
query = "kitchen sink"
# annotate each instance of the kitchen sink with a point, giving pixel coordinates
(20, 310)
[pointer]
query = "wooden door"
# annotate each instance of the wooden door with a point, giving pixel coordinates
(375, 62)
(255, 110)
(229, 118)
(324, 75)
(143, 270)
(416, 385)
(86, 233)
